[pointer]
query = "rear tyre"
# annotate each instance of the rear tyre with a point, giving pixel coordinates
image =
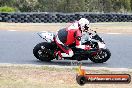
(43, 51)
(102, 56)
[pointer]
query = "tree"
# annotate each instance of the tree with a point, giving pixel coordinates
(126, 5)
(69, 5)
(131, 5)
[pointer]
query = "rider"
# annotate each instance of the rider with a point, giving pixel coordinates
(70, 35)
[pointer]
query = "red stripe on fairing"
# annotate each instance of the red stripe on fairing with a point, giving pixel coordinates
(66, 51)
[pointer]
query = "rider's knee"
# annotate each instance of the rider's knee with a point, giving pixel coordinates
(71, 53)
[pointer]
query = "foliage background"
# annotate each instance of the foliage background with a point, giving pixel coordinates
(67, 6)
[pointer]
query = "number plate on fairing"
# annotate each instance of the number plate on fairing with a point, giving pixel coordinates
(101, 45)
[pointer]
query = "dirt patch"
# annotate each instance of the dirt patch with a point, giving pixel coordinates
(48, 77)
(115, 27)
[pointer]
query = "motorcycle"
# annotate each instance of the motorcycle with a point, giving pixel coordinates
(44, 51)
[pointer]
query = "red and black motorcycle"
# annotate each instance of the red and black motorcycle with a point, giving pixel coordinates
(44, 51)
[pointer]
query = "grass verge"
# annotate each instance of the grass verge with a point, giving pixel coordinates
(106, 27)
(49, 77)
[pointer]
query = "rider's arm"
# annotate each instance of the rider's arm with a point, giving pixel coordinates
(78, 40)
(79, 45)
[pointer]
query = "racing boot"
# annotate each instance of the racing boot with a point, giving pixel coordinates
(58, 55)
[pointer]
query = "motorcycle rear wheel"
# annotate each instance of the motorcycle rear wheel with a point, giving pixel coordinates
(102, 56)
(42, 51)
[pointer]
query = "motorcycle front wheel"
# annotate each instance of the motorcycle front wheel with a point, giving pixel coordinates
(102, 56)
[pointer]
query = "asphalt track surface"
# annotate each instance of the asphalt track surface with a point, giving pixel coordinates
(16, 48)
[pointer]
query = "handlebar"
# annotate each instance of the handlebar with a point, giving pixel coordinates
(91, 32)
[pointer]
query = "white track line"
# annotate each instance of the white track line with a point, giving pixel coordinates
(12, 30)
(114, 33)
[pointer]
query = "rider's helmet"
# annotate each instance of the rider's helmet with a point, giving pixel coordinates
(83, 24)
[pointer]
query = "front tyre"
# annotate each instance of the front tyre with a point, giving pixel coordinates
(42, 51)
(102, 56)
(81, 80)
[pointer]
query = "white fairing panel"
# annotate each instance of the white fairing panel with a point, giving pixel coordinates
(101, 45)
(85, 37)
(47, 35)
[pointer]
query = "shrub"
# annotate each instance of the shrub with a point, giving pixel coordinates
(7, 9)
